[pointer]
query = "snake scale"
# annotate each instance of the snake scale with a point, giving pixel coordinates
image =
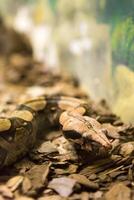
(18, 133)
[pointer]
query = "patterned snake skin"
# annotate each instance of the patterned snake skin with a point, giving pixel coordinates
(18, 133)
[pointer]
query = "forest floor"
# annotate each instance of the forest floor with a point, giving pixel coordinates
(50, 171)
(54, 169)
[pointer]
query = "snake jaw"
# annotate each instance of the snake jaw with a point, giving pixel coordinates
(99, 138)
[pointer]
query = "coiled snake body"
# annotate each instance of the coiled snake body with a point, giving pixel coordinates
(18, 133)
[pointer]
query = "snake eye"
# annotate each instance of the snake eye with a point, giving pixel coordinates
(72, 134)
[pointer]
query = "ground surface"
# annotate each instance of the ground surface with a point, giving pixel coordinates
(53, 170)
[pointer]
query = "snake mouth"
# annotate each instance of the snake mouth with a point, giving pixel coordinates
(95, 147)
(88, 144)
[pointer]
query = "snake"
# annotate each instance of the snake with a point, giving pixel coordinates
(19, 131)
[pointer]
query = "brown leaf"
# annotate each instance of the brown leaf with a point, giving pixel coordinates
(52, 197)
(70, 170)
(24, 165)
(38, 175)
(26, 185)
(45, 173)
(5, 191)
(24, 198)
(64, 186)
(118, 192)
(65, 149)
(127, 149)
(14, 182)
(98, 195)
(84, 181)
(112, 131)
(47, 147)
(1, 198)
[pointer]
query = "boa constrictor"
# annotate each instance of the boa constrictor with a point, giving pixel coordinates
(18, 132)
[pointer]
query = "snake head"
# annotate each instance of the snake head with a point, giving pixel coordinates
(85, 131)
(96, 132)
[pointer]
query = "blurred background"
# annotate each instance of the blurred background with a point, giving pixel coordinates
(92, 39)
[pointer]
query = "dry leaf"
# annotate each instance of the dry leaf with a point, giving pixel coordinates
(47, 147)
(127, 149)
(26, 185)
(64, 186)
(14, 182)
(84, 181)
(112, 131)
(5, 191)
(53, 197)
(38, 175)
(1, 198)
(23, 198)
(118, 192)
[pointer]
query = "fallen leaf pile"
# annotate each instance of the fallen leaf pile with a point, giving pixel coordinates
(54, 169)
